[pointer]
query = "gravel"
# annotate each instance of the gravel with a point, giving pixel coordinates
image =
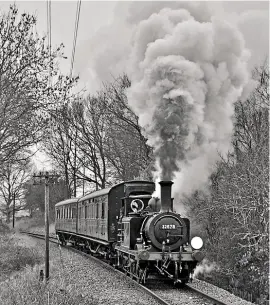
(106, 286)
(176, 296)
(218, 293)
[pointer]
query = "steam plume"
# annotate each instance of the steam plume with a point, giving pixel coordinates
(186, 76)
(205, 267)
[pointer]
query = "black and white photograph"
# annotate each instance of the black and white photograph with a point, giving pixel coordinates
(134, 152)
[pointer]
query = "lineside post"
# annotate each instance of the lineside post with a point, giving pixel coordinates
(13, 212)
(47, 178)
(47, 261)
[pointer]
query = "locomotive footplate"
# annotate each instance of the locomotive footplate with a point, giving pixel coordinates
(154, 256)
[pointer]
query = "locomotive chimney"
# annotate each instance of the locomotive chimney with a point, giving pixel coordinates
(166, 200)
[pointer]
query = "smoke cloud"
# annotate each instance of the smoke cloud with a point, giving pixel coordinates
(186, 76)
(106, 54)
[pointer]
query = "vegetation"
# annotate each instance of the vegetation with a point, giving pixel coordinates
(20, 282)
(62, 289)
(234, 217)
(14, 255)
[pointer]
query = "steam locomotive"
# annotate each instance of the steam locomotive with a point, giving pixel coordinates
(136, 232)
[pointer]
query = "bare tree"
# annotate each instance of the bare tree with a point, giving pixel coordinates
(59, 145)
(127, 149)
(12, 181)
(26, 64)
(91, 128)
(98, 139)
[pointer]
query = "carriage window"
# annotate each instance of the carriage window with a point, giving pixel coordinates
(96, 209)
(91, 208)
(103, 208)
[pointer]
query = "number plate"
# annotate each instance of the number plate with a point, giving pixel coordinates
(168, 227)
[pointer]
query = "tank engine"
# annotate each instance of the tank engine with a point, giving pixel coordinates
(137, 233)
(155, 239)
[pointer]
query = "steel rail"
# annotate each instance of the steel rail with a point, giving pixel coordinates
(209, 297)
(142, 288)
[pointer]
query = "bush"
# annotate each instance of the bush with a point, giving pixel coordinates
(37, 220)
(15, 256)
(3, 228)
(26, 289)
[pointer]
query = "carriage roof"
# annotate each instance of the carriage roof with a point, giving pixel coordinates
(67, 201)
(98, 193)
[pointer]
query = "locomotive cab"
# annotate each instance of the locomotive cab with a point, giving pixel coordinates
(134, 204)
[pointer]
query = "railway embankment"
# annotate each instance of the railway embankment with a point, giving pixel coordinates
(73, 280)
(16, 252)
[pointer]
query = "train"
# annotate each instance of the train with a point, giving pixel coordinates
(136, 232)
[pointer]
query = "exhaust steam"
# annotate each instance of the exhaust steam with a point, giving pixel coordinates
(186, 76)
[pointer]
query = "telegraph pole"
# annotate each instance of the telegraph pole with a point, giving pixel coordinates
(47, 261)
(47, 178)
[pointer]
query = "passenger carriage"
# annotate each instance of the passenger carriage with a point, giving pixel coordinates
(92, 219)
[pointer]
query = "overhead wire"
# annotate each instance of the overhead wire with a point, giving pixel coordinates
(49, 33)
(77, 19)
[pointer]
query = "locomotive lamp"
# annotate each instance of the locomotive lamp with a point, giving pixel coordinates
(196, 243)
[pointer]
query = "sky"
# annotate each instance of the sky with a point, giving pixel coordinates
(103, 29)
(106, 27)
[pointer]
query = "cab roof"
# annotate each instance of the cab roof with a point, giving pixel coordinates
(107, 190)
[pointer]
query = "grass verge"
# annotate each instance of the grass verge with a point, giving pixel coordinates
(62, 288)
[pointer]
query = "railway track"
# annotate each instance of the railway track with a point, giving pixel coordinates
(160, 290)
